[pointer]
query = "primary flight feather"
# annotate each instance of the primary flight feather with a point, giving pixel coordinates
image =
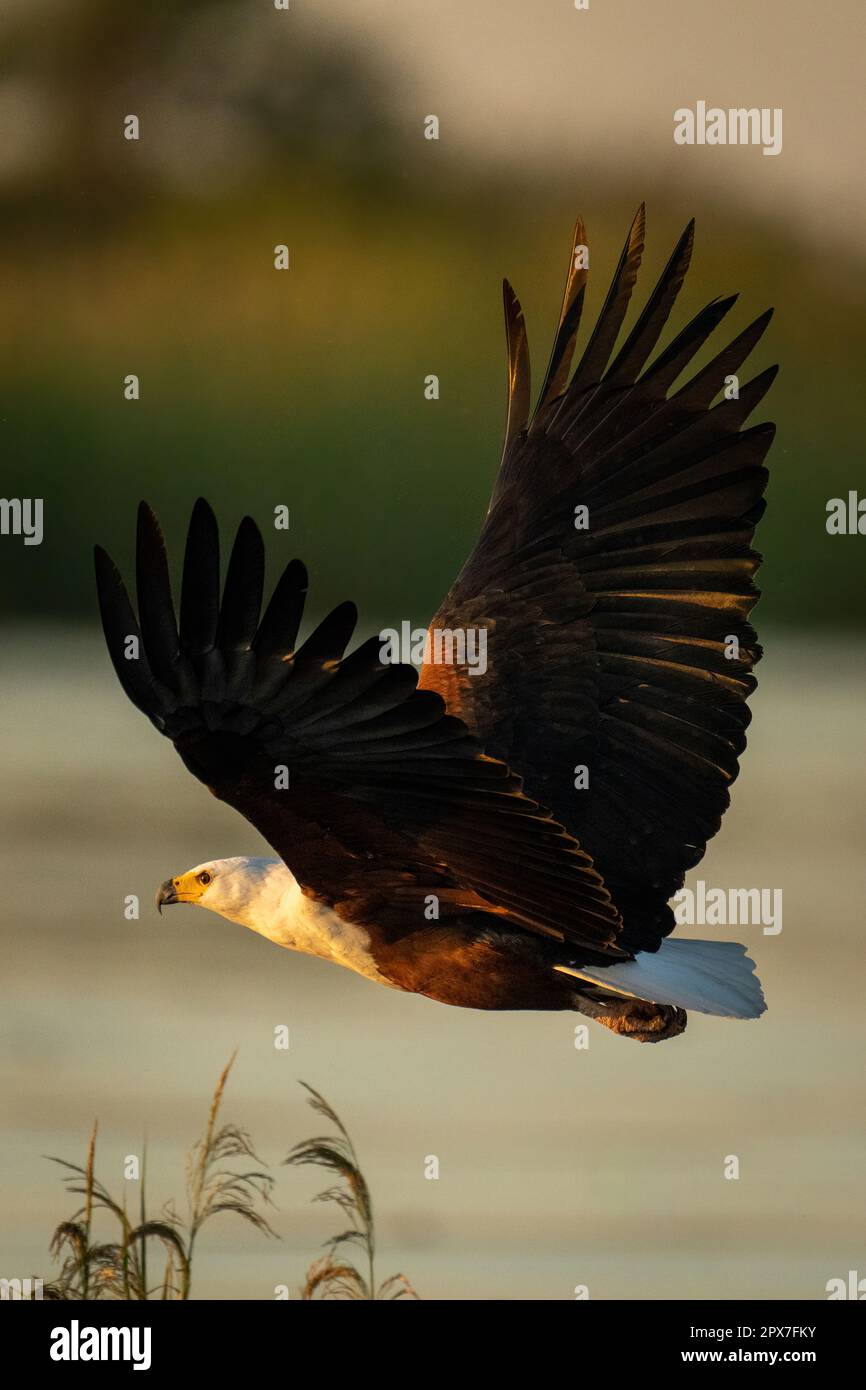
(432, 834)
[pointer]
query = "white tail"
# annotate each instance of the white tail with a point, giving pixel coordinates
(710, 977)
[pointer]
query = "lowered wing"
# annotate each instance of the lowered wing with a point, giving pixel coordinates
(368, 789)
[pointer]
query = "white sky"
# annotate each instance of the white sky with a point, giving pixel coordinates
(539, 80)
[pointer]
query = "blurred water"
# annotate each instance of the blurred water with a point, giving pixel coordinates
(558, 1167)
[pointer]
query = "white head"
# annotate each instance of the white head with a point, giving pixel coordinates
(238, 888)
(264, 895)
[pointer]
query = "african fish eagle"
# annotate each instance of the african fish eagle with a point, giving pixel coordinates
(431, 832)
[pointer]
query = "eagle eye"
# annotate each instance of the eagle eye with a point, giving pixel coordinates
(204, 878)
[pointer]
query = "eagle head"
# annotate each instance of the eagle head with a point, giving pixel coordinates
(186, 888)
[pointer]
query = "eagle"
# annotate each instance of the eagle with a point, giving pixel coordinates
(506, 834)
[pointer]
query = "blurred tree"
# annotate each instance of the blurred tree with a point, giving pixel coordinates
(225, 91)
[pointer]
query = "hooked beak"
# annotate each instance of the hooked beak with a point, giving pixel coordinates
(166, 893)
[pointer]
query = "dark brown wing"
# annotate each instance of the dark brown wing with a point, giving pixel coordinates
(389, 799)
(625, 646)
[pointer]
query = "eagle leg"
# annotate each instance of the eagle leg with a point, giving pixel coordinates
(633, 1018)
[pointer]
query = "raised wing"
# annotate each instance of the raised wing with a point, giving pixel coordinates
(618, 637)
(373, 795)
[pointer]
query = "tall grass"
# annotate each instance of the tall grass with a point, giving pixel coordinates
(333, 1276)
(219, 1180)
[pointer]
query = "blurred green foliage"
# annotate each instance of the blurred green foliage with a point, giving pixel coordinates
(305, 387)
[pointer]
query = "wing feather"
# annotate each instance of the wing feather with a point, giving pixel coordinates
(385, 788)
(623, 649)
